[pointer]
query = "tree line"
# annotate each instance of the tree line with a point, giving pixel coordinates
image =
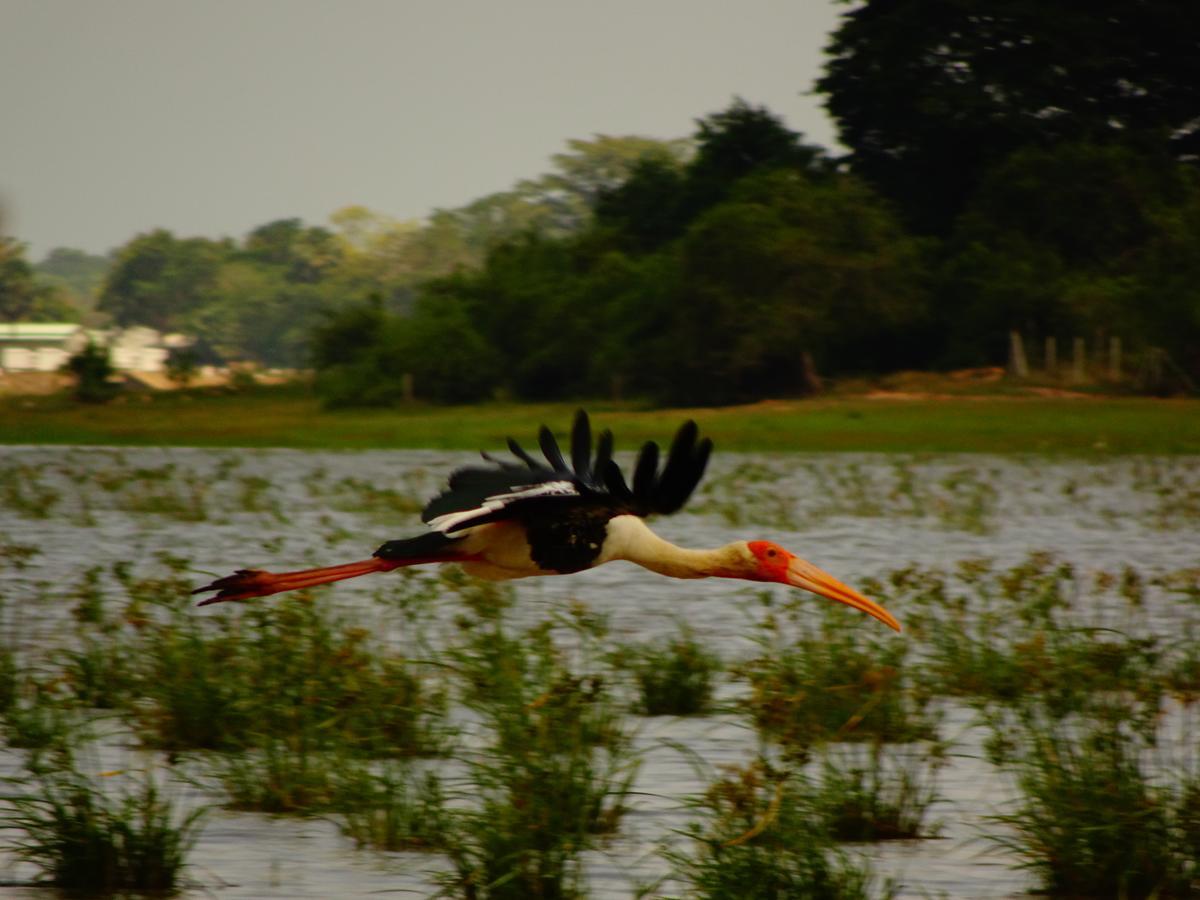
(1010, 166)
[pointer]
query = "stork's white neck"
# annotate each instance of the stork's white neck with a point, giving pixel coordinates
(630, 539)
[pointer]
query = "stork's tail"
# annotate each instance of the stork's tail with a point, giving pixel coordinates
(247, 583)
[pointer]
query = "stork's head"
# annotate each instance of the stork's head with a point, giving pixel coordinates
(766, 561)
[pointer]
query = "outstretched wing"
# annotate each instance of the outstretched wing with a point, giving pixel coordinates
(508, 489)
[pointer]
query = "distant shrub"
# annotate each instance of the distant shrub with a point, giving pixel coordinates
(92, 369)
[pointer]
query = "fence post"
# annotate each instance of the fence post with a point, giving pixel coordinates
(809, 376)
(1017, 364)
(1114, 358)
(1078, 361)
(1051, 360)
(406, 387)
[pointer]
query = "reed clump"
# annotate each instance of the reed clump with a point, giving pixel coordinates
(675, 675)
(820, 676)
(554, 769)
(87, 837)
(881, 795)
(1094, 819)
(759, 837)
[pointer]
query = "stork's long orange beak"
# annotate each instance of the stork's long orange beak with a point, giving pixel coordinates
(805, 575)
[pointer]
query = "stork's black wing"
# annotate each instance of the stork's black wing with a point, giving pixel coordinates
(508, 489)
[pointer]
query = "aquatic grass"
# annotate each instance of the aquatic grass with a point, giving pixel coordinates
(1036, 630)
(827, 678)
(758, 837)
(10, 678)
(99, 672)
(1093, 821)
(233, 679)
(1174, 486)
(41, 723)
(16, 555)
(878, 796)
(301, 775)
(555, 767)
(254, 495)
(674, 675)
(85, 839)
(183, 498)
(395, 809)
(364, 496)
(23, 491)
(762, 493)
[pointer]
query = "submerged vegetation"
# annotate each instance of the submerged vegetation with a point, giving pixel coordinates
(514, 739)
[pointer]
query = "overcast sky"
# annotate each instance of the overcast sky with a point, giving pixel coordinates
(210, 117)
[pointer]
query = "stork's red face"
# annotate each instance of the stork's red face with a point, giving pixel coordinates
(778, 565)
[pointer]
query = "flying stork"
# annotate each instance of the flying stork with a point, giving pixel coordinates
(514, 519)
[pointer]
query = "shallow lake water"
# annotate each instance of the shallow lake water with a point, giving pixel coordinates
(855, 515)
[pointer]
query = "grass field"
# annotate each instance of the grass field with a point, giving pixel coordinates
(291, 417)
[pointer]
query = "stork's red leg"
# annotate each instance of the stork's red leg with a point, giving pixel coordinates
(246, 583)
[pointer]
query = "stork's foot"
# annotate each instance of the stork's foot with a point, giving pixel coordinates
(242, 585)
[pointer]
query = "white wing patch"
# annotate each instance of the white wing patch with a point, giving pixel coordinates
(449, 522)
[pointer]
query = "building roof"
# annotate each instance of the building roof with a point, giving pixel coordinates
(38, 331)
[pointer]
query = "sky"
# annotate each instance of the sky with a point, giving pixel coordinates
(211, 117)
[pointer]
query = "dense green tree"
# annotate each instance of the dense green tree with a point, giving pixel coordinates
(790, 266)
(648, 209)
(930, 94)
(254, 313)
(366, 356)
(656, 203)
(739, 141)
(1074, 240)
(592, 168)
(22, 297)
(303, 254)
(79, 274)
(157, 279)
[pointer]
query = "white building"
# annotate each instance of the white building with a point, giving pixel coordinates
(44, 347)
(39, 346)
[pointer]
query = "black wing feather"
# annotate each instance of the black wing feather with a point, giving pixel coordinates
(581, 447)
(550, 450)
(508, 490)
(604, 451)
(519, 452)
(645, 472)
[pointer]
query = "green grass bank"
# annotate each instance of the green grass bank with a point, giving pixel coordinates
(289, 417)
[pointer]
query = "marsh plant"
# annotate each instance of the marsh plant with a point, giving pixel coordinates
(398, 809)
(302, 775)
(1037, 630)
(825, 676)
(758, 837)
(231, 681)
(26, 490)
(1094, 819)
(881, 794)
(87, 834)
(555, 767)
(675, 675)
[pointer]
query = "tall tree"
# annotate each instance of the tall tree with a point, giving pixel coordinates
(157, 279)
(658, 200)
(928, 94)
(590, 169)
(304, 254)
(22, 297)
(1073, 240)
